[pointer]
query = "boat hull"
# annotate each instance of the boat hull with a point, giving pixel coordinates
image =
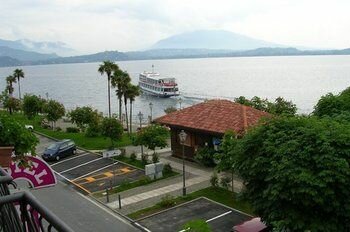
(157, 94)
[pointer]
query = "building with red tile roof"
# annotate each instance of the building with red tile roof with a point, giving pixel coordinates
(207, 122)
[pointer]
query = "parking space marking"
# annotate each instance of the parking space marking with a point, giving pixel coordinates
(219, 216)
(88, 174)
(73, 183)
(94, 178)
(69, 169)
(62, 161)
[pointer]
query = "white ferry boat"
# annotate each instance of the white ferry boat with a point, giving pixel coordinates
(153, 84)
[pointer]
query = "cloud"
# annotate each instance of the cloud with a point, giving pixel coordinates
(91, 26)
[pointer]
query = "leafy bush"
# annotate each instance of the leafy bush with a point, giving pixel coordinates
(144, 159)
(225, 182)
(133, 156)
(155, 158)
(72, 130)
(58, 128)
(214, 180)
(167, 169)
(167, 201)
(205, 156)
(92, 131)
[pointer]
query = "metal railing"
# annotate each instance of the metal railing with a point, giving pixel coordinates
(22, 212)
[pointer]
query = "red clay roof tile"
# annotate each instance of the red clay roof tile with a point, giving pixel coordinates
(215, 116)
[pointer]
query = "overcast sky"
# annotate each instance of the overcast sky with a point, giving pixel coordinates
(97, 25)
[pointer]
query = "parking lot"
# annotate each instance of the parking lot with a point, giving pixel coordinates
(221, 218)
(89, 171)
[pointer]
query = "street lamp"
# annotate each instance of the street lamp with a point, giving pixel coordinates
(180, 101)
(182, 136)
(151, 107)
(140, 115)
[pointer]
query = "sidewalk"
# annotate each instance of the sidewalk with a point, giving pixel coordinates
(197, 177)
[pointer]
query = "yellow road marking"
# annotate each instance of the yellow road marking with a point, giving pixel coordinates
(106, 175)
(90, 179)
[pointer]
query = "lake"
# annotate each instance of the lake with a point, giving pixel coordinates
(302, 79)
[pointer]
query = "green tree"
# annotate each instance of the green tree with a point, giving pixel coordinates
(279, 107)
(282, 107)
(84, 116)
(332, 105)
(31, 106)
(197, 225)
(13, 133)
(153, 136)
(18, 73)
(10, 103)
(296, 173)
(112, 128)
(108, 67)
(9, 84)
(54, 111)
(134, 91)
(120, 80)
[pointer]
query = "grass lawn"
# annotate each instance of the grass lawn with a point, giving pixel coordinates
(220, 195)
(90, 143)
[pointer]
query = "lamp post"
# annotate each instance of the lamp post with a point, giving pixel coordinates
(151, 107)
(180, 101)
(140, 115)
(182, 136)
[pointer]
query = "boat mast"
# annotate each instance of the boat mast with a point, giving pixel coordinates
(152, 68)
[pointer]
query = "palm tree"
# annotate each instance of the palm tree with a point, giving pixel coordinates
(133, 92)
(18, 73)
(10, 80)
(108, 67)
(120, 79)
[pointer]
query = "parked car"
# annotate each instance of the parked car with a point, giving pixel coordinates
(59, 150)
(253, 225)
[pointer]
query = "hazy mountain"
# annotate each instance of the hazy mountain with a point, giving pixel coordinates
(97, 57)
(6, 61)
(212, 39)
(25, 56)
(41, 47)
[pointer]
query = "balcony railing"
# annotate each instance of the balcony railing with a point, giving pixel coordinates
(22, 212)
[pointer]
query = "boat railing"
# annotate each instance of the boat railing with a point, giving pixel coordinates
(22, 212)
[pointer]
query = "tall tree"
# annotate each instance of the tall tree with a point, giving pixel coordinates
(134, 91)
(296, 173)
(9, 84)
(120, 79)
(18, 73)
(108, 67)
(54, 111)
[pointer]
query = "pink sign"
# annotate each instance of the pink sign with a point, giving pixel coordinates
(39, 174)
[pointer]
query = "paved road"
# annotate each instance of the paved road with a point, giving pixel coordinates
(79, 212)
(76, 210)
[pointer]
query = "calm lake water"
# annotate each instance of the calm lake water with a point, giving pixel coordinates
(302, 79)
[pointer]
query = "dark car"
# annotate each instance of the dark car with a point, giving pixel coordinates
(59, 150)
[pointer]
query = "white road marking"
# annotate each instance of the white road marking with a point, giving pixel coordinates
(62, 161)
(94, 171)
(142, 227)
(219, 216)
(69, 169)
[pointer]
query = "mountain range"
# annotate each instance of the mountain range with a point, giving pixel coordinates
(196, 44)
